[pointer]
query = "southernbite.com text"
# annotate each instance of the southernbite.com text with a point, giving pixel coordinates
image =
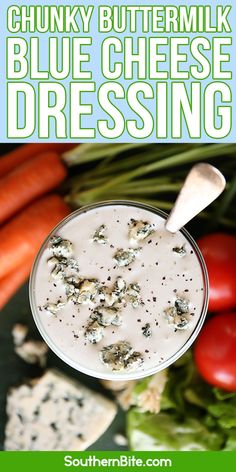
(121, 461)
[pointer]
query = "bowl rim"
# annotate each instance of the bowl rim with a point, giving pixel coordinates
(117, 375)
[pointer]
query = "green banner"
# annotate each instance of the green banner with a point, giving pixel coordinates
(117, 461)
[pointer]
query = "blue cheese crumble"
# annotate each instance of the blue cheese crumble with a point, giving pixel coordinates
(114, 295)
(146, 330)
(178, 314)
(99, 235)
(107, 316)
(94, 332)
(180, 250)
(125, 257)
(121, 356)
(88, 290)
(133, 295)
(53, 308)
(140, 230)
(61, 247)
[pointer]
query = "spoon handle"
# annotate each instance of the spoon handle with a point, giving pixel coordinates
(202, 186)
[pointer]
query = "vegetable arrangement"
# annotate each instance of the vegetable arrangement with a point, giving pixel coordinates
(193, 416)
(148, 173)
(186, 412)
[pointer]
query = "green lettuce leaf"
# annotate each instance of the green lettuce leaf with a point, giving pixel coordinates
(225, 411)
(167, 432)
(230, 444)
(193, 415)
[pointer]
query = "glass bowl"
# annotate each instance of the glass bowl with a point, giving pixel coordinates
(118, 375)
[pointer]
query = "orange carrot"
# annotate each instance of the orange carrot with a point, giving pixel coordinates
(25, 152)
(21, 238)
(11, 283)
(29, 181)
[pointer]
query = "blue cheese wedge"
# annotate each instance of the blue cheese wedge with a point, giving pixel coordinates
(55, 413)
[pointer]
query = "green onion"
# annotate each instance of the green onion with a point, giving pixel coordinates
(146, 172)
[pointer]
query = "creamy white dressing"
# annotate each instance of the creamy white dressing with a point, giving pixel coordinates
(162, 274)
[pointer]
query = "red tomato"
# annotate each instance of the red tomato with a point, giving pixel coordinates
(215, 351)
(219, 252)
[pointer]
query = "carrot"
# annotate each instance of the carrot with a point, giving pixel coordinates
(22, 236)
(25, 152)
(29, 181)
(11, 283)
